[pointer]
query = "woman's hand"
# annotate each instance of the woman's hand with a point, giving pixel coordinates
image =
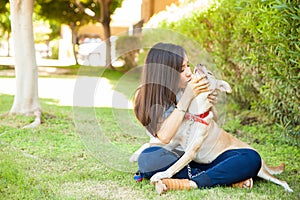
(194, 87)
(213, 97)
(198, 84)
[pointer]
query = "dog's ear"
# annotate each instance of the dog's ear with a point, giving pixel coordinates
(223, 86)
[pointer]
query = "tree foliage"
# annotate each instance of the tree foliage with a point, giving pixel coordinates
(4, 17)
(5, 28)
(65, 11)
(73, 12)
(3, 6)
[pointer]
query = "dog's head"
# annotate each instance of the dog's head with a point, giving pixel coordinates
(201, 104)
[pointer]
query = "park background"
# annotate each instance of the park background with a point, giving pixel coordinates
(254, 45)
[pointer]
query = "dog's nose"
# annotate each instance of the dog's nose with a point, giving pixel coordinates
(199, 69)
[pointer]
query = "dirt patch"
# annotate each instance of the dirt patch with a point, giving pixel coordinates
(99, 190)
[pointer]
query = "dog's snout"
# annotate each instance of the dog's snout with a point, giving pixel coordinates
(200, 69)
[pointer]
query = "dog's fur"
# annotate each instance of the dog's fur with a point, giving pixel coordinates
(203, 143)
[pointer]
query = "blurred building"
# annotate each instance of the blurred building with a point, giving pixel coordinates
(151, 7)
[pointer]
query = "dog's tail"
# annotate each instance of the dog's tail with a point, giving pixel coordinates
(274, 169)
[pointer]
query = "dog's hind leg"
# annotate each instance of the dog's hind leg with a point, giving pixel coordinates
(274, 169)
(263, 173)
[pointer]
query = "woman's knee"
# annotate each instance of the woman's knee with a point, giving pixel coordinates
(155, 159)
(255, 160)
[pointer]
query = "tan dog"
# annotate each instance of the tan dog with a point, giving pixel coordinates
(203, 140)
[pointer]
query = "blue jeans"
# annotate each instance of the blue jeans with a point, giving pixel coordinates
(230, 167)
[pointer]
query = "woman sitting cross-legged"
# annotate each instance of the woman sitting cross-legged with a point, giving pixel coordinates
(166, 90)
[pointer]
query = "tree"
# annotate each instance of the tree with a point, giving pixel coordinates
(105, 21)
(62, 12)
(107, 7)
(79, 12)
(26, 99)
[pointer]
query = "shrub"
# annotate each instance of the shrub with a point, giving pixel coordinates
(127, 47)
(256, 46)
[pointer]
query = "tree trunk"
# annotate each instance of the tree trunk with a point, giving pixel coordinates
(74, 35)
(26, 99)
(108, 45)
(105, 21)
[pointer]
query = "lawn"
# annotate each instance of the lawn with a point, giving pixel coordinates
(82, 153)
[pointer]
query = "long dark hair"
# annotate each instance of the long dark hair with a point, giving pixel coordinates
(159, 84)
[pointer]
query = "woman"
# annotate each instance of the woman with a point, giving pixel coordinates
(167, 88)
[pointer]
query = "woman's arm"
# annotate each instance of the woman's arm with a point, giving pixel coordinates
(171, 124)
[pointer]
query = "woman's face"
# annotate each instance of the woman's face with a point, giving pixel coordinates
(185, 75)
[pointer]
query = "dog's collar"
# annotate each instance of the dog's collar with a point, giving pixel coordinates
(197, 118)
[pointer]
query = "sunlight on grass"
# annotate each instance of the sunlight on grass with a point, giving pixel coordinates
(61, 160)
(52, 161)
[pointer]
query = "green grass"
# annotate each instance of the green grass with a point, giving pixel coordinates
(64, 159)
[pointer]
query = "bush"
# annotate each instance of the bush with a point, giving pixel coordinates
(127, 48)
(256, 46)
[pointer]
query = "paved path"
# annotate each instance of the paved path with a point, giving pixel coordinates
(39, 61)
(62, 90)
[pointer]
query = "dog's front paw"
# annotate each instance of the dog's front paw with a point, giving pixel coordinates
(158, 176)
